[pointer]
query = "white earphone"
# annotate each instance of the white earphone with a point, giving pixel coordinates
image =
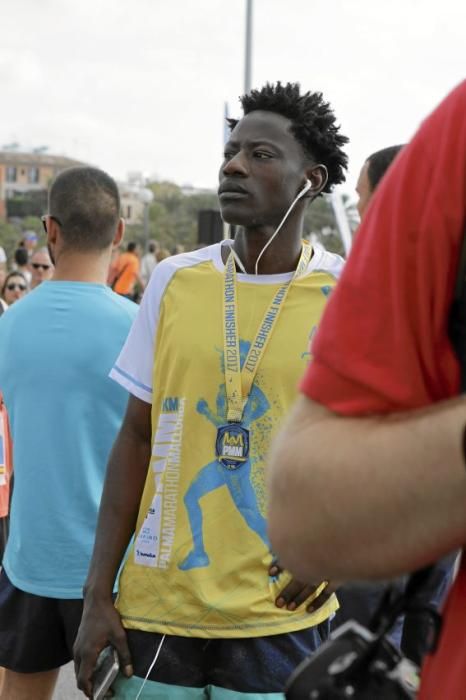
(305, 189)
(301, 193)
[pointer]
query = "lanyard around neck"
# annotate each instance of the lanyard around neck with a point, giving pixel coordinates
(238, 382)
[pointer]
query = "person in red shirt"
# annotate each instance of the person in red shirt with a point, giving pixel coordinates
(6, 470)
(368, 477)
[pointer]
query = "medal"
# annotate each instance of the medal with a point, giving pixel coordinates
(232, 442)
(232, 445)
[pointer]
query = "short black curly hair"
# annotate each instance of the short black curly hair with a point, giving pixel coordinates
(379, 162)
(313, 124)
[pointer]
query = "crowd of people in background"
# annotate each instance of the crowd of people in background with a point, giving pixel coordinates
(129, 271)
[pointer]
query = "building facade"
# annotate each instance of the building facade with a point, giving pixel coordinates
(24, 176)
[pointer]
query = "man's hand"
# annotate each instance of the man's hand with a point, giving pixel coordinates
(100, 626)
(296, 592)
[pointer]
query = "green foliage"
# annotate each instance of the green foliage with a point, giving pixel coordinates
(24, 204)
(9, 238)
(172, 216)
(12, 231)
(320, 222)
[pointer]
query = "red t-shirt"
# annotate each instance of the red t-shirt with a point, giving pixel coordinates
(383, 343)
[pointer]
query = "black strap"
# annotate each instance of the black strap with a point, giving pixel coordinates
(457, 320)
(113, 285)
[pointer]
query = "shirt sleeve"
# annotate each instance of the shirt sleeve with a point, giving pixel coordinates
(383, 342)
(134, 366)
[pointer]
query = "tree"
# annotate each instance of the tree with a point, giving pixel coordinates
(321, 225)
(12, 231)
(173, 215)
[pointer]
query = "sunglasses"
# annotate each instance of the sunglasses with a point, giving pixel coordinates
(49, 216)
(13, 285)
(38, 266)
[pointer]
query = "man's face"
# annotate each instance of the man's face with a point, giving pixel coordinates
(263, 170)
(363, 189)
(41, 268)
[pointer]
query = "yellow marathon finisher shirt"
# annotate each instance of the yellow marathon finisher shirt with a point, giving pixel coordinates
(199, 563)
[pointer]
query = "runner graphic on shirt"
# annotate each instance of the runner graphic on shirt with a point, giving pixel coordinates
(214, 475)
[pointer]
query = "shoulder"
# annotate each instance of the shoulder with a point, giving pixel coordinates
(122, 304)
(20, 317)
(166, 269)
(325, 261)
(190, 259)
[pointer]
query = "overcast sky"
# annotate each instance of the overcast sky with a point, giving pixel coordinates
(141, 85)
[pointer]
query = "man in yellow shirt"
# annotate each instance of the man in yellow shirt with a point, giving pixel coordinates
(212, 365)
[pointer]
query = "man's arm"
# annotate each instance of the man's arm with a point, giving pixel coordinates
(367, 497)
(126, 474)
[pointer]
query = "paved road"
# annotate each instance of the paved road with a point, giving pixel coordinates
(66, 686)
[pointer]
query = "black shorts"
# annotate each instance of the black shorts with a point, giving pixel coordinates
(36, 633)
(254, 665)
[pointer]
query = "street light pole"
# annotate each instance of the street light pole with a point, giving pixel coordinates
(146, 196)
(248, 47)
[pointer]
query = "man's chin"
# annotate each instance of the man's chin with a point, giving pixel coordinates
(232, 216)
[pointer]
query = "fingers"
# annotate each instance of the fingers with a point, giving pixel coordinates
(323, 597)
(275, 569)
(120, 642)
(84, 666)
(294, 594)
(96, 632)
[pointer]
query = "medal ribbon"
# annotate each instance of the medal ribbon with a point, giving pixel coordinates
(238, 382)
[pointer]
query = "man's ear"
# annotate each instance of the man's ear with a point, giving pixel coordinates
(53, 232)
(318, 175)
(120, 232)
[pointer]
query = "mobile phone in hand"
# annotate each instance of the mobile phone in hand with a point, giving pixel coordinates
(106, 670)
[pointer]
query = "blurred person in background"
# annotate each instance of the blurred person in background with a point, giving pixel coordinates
(56, 350)
(3, 266)
(14, 287)
(21, 263)
(41, 267)
(116, 252)
(373, 170)
(162, 254)
(29, 242)
(6, 469)
(148, 262)
(177, 249)
(126, 273)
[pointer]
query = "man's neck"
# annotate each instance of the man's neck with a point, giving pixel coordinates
(282, 255)
(82, 267)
